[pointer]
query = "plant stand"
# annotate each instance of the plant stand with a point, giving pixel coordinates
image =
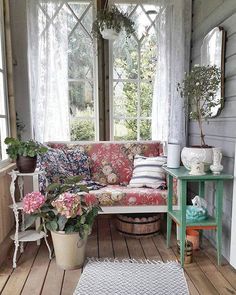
(21, 235)
(179, 216)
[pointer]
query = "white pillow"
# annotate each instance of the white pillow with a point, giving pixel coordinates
(148, 172)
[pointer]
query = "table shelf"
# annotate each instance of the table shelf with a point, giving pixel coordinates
(29, 236)
(176, 215)
(19, 205)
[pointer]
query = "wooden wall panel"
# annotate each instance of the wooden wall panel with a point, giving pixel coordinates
(220, 131)
(6, 215)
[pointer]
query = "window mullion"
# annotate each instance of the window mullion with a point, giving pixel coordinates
(139, 91)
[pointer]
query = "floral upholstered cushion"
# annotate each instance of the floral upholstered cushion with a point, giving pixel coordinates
(112, 162)
(115, 195)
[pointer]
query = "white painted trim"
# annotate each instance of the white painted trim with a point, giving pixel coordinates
(233, 223)
(135, 209)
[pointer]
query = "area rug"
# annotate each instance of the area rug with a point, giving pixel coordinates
(131, 277)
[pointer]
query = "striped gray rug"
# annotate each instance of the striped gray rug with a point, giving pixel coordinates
(131, 277)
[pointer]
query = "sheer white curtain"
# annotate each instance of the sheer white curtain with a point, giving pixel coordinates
(48, 69)
(173, 31)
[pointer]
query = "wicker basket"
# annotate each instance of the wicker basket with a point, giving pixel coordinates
(138, 225)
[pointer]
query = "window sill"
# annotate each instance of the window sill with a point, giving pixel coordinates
(6, 169)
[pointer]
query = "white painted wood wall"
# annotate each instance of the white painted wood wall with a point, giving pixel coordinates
(220, 131)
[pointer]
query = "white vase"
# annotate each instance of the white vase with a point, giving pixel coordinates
(109, 34)
(190, 155)
(216, 167)
(69, 249)
(173, 155)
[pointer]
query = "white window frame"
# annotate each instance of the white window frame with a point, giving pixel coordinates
(137, 81)
(5, 161)
(95, 118)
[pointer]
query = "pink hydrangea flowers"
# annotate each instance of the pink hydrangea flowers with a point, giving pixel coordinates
(68, 204)
(32, 202)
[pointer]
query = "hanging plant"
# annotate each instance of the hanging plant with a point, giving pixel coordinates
(110, 22)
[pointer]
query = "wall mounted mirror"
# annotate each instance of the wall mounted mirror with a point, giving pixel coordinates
(213, 53)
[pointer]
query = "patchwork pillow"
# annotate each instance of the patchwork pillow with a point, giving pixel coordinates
(79, 162)
(58, 164)
(148, 172)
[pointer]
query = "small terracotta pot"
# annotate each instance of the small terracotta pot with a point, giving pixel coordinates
(26, 164)
(193, 236)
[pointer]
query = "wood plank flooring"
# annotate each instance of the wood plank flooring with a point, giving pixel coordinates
(35, 274)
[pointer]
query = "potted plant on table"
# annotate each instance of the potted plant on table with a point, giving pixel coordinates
(67, 215)
(110, 22)
(199, 89)
(25, 153)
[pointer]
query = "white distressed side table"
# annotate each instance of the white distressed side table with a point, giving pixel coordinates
(21, 235)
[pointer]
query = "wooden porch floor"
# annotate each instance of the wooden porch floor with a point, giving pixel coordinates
(35, 274)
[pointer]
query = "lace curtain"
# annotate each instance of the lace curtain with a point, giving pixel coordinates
(48, 76)
(174, 31)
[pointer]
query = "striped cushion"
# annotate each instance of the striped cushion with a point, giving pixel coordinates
(148, 172)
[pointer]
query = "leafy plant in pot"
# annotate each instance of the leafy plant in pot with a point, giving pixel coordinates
(199, 89)
(110, 22)
(25, 153)
(67, 215)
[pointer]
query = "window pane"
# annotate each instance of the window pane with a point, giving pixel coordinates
(125, 56)
(80, 55)
(148, 56)
(3, 135)
(142, 22)
(125, 99)
(81, 99)
(82, 129)
(2, 95)
(146, 99)
(145, 130)
(125, 129)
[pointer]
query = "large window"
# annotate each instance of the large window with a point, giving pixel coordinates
(62, 69)
(132, 75)
(3, 90)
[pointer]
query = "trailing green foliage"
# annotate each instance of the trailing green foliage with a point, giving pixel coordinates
(112, 18)
(28, 148)
(199, 89)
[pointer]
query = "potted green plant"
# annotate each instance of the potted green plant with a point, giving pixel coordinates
(199, 89)
(25, 153)
(67, 214)
(110, 22)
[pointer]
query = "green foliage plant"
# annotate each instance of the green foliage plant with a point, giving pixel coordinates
(199, 89)
(53, 220)
(28, 148)
(112, 18)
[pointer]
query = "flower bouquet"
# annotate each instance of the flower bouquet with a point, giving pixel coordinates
(66, 214)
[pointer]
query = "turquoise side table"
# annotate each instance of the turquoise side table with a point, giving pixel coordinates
(179, 216)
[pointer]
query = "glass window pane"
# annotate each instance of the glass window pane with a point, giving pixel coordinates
(148, 56)
(125, 129)
(3, 135)
(80, 55)
(125, 99)
(125, 56)
(81, 99)
(146, 99)
(2, 95)
(142, 22)
(82, 129)
(145, 130)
